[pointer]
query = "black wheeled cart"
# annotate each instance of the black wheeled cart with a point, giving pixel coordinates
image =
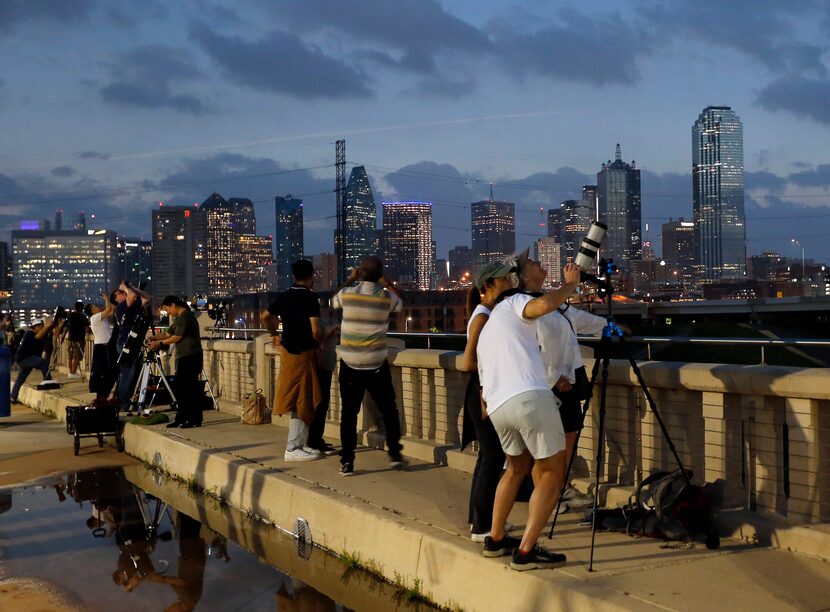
(88, 421)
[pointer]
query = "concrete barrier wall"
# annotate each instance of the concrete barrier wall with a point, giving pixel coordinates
(763, 432)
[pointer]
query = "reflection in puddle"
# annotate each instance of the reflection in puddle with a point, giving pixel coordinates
(126, 538)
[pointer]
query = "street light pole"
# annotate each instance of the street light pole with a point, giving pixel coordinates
(796, 242)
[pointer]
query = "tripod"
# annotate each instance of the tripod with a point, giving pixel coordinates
(151, 366)
(602, 357)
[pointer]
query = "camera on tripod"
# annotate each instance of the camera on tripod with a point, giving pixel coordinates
(135, 339)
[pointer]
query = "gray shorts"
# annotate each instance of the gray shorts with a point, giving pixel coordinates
(530, 421)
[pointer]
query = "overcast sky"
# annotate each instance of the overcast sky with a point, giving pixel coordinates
(112, 106)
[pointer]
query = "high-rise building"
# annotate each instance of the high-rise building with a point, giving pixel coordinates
(244, 217)
(288, 239)
(57, 268)
(359, 221)
(136, 261)
(493, 231)
(461, 261)
(5, 268)
(407, 232)
(179, 252)
(548, 255)
(221, 245)
(80, 221)
(253, 257)
(590, 194)
(679, 249)
(59, 219)
(618, 206)
(555, 224)
(718, 194)
(577, 216)
(325, 271)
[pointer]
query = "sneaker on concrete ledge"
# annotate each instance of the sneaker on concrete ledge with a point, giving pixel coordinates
(347, 469)
(300, 454)
(398, 462)
(499, 548)
(537, 558)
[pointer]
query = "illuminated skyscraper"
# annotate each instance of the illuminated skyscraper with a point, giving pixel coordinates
(359, 221)
(577, 216)
(548, 254)
(221, 245)
(407, 230)
(288, 239)
(244, 218)
(718, 198)
(555, 224)
(618, 205)
(254, 257)
(136, 261)
(493, 231)
(57, 268)
(679, 249)
(325, 271)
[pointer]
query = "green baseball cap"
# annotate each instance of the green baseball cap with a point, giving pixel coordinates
(491, 270)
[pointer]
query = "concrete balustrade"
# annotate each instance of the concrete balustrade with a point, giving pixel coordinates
(762, 432)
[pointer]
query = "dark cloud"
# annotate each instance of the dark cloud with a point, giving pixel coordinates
(764, 180)
(762, 29)
(801, 96)
(62, 171)
(417, 29)
(93, 155)
(576, 47)
(817, 177)
(14, 13)
(281, 63)
(148, 77)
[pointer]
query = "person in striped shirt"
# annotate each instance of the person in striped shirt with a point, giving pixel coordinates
(363, 352)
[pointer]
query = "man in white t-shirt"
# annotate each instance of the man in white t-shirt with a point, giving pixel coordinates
(104, 371)
(525, 414)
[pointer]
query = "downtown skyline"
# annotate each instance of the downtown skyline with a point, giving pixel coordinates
(134, 124)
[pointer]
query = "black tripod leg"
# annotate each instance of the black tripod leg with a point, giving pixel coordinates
(585, 406)
(653, 406)
(600, 442)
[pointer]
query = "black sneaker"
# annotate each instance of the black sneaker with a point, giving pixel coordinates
(505, 546)
(538, 558)
(397, 462)
(347, 469)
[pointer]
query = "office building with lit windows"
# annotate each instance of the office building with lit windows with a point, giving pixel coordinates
(179, 256)
(359, 222)
(56, 268)
(288, 239)
(407, 231)
(254, 257)
(493, 229)
(136, 261)
(618, 207)
(220, 216)
(678, 241)
(718, 194)
(548, 254)
(577, 216)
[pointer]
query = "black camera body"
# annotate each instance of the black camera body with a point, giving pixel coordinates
(218, 310)
(135, 339)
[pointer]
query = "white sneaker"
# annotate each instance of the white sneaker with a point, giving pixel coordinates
(313, 451)
(479, 537)
(300, 454)
(71, 375)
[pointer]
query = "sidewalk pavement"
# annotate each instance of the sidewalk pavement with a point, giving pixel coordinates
(412, 524)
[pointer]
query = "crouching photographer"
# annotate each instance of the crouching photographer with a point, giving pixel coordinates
(184, 333)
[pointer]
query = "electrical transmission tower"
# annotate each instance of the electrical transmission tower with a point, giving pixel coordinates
(340, 190)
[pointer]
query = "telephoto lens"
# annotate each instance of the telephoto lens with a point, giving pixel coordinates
(586, 258)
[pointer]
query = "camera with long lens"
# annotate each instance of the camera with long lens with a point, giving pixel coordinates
(586, 257)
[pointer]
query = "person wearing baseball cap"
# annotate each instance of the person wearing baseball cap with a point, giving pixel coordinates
(525, 414)
(491, 280)
(30, 354)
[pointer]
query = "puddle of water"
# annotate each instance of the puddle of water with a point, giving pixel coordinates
(128, 538)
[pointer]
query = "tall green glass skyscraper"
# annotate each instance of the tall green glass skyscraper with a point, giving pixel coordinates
(718, 199)
(359, 221)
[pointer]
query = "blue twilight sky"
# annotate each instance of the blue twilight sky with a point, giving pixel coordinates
(112, 106)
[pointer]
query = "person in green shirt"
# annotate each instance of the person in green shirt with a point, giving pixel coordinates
(184, 333)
